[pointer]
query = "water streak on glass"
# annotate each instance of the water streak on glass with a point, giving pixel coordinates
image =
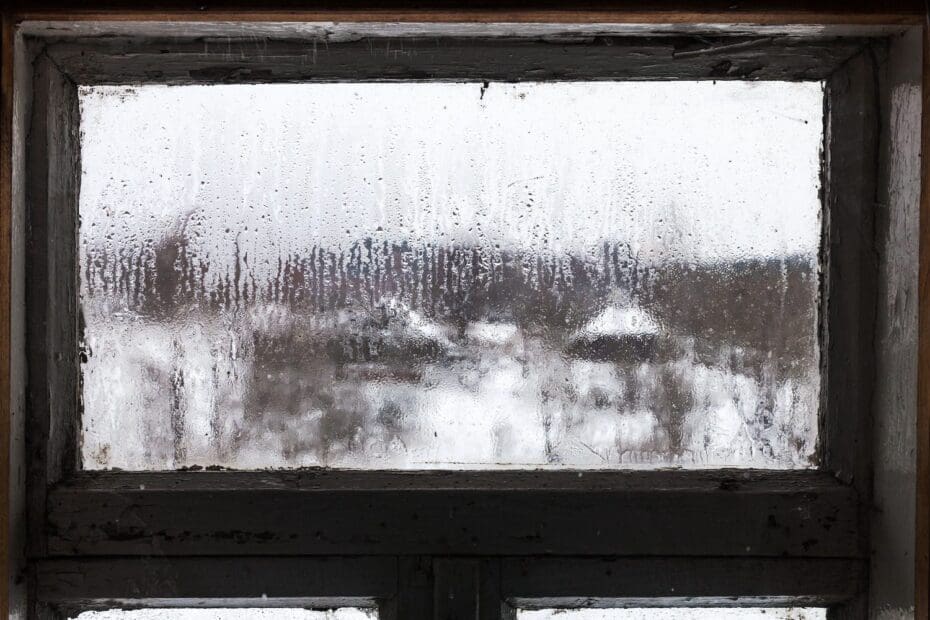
(446, 275)
(680, 613)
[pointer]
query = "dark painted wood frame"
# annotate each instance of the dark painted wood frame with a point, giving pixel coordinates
(452, 544)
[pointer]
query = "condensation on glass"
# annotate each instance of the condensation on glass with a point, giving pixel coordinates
(342, 613)
(451, 275)
(679, 613)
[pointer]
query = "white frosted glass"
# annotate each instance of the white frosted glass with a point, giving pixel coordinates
(447, 275)
(680, 613)
(344, 613)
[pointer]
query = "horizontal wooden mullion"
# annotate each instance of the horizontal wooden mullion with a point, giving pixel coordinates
(324, 479)
(225, 581)
(523, 581)
(667, 582)
(515, 58)
(800, 514)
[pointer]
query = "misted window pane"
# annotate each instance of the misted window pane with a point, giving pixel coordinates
(682, 613)
(229, 614)
(449, 275)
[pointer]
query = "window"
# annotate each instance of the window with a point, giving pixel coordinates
(568, 274)
(448, 321)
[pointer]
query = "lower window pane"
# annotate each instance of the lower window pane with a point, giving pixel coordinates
(343, 613)
(678, 613)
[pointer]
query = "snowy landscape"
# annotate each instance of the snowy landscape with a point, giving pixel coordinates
(598, 275)
(398, 358)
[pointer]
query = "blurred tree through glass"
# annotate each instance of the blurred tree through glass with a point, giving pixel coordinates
(451, 275)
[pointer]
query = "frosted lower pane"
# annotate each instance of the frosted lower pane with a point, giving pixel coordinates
(441, 275)
(680, 613)
(345, 613)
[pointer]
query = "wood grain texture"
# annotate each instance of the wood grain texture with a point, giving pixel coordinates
(561, 581)
(414, 590)
(802, 514)
(851, 171)
(235, 580)
(520, 581)
(762, 13)
(385, 58)
(894, 432)
(51, 297)
(923, 379)
(630, 11)
(322, 480)
(456, 589)
(6, 207)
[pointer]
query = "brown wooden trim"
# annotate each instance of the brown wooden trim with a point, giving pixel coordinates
(6, 206)
(923, 382)
(559, 17)
(616, 11)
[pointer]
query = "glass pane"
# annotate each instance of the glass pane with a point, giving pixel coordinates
(451, 275)
(345, 613)
(680, 613)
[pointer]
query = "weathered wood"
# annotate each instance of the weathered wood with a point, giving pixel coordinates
(327, 30)
(740, 515)
(9, 552)
(457, 589)
(922, 555)
(323, 479)
(892, 585)
(566, 57)
(542, 582)
(467, 588)
(414, 598)
(491, 602)
(848, 327)
(241, 581)
(656, 513)
(653, 11)
(523, 582)
(51, 297)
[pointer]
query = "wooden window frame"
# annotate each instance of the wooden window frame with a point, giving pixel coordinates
(452, 544)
